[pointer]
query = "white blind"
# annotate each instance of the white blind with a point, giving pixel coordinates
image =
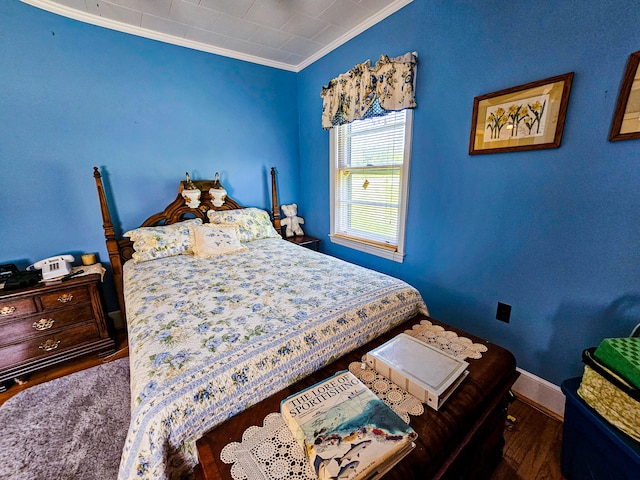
(370, 157)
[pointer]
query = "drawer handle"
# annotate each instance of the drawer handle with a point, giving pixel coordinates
(49, 345)
(7, 310)
(43, 324)
(65, 298)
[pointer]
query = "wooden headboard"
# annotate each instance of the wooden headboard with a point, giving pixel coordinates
(121, 249)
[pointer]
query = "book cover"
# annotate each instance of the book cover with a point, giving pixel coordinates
(419, 368)
(346, 431)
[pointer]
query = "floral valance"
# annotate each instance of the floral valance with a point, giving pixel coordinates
(368, 91)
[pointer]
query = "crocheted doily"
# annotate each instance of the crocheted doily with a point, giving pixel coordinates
(401, 402)
(267, 452)
(450, 342)
(271, 453)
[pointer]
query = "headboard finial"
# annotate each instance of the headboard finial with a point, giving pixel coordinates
(275, 208)
(110, 239)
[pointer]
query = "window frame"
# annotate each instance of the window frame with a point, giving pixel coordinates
(390, 253)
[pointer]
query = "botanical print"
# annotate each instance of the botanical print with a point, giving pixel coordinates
(516, 120)
(631, 119)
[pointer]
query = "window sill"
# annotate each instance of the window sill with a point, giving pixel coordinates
(367, 248)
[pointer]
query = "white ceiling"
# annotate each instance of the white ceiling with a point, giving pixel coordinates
(285, 34)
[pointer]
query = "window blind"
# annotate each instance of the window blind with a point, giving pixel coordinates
(370, 158)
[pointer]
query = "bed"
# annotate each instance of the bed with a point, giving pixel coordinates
(222, 312)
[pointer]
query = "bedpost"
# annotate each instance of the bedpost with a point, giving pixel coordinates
(275, 208)
(112, 243)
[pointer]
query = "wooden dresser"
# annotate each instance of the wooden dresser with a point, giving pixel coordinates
(44, 325)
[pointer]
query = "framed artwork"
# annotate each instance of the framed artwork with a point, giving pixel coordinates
(526, 117)
(626, 119)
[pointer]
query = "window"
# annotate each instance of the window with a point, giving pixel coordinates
(369, 183)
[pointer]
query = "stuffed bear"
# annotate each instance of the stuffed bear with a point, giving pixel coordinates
(292, 222)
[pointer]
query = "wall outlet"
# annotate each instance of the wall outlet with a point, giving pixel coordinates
(503, 313)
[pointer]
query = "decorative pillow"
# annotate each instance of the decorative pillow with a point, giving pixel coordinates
(211, 240)
(150, 243)
(253, 223)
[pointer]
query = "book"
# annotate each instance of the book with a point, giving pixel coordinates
(345, 430)
(425, 371)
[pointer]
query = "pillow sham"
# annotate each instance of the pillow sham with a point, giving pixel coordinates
(211, 240)
(253, 223)
(162, 241)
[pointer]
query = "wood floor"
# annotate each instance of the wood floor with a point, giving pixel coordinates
(532, 446)
(533, 441)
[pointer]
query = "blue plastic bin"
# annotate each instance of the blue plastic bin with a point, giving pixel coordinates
(592, 449)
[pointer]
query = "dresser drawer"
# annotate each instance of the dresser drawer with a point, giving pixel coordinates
(65, 298)
(47, 345)
(16, 307)
(41, 324)
(50, 323)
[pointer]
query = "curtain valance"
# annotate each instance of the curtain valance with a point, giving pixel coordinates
(368, 91)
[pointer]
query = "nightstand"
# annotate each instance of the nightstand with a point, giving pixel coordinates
(305, 241)
(50, 323)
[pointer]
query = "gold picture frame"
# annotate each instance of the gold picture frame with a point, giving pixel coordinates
(626, 118)
(526, 117)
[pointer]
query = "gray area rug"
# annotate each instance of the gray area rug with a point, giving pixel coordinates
(72, 427)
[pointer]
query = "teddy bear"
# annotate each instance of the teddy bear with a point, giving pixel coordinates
(292, 221)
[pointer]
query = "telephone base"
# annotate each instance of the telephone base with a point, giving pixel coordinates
(22, 280)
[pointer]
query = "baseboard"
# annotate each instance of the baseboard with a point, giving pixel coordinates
(540, 393)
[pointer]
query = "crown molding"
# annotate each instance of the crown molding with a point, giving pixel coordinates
(354, 32)
(65, 11)
(85, 17)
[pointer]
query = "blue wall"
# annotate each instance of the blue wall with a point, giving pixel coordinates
(555, 233)
(74, 95)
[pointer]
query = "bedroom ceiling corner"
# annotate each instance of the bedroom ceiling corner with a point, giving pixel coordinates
(284, 34)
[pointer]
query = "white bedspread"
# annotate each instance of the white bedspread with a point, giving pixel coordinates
(209, 338)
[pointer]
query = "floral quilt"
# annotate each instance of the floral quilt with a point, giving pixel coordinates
(210, 337)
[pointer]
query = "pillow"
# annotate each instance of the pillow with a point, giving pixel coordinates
(212, 240)
(253, 223)
(150, 243)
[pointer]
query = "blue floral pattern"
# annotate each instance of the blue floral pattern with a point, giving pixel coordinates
(210, 337)
(253, 223)
(162, 241)
(367, 91)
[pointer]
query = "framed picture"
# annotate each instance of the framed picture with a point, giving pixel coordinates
(626, 119)
(526, 117)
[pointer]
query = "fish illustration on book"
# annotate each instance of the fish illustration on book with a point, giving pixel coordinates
(346, 470)
(346, 431)
(355, 450)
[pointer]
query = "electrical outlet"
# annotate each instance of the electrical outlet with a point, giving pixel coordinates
(503, 312)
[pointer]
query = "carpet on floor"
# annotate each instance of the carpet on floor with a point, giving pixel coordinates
(72, 427)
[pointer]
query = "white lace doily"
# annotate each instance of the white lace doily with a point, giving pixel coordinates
(450, 342)
(401, 402)
(267, 452)
(271, 453)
